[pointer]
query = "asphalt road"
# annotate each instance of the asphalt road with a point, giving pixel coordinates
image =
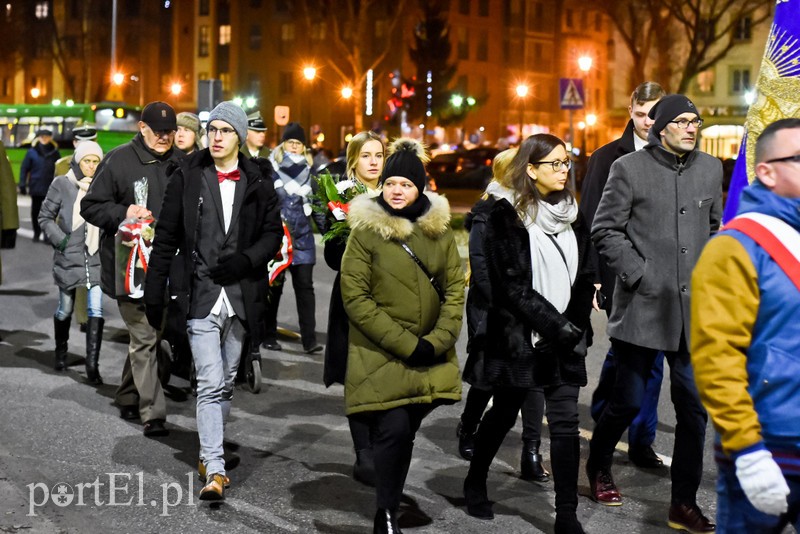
(68, 463)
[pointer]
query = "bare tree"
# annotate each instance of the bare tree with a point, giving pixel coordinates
(351, 24)
(684, 37)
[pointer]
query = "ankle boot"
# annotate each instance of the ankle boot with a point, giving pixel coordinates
(565, 457)
(476, 497)
(466, 440)
(364, 468)
(385, 522)
(61, 330)
(94, 338)
(530, 465)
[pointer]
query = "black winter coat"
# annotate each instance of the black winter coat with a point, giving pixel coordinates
(500, 345)
(594, 182)
(260, 234)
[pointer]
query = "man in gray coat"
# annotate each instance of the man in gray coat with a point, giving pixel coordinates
(658, 209)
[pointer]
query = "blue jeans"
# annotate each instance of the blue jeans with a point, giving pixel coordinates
(633, 367)
(216, 342)
(66, 303)
(735, 514)
(642, 432)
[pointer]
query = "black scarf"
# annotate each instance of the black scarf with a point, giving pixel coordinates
(412, 212)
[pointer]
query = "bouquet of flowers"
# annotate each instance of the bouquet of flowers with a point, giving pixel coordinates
(333, 199)
(133, 243)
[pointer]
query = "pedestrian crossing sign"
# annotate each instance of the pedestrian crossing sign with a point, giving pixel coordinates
(571, 93)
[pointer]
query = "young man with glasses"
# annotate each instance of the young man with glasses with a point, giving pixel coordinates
(642, 431)
(130, 183)
(219, 206)
(658, 209)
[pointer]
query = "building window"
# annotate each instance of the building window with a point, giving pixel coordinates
(73, 8)
(481, 88)
(42, 10)
(255, 83)
(225, 79)
(483, 8)
(516, 53)
(255, 37)
(740, 80)
(463, 7)
(742, 30)
(704, 83)
(287, 38)
(514, 14)
(598, 22)
(203, 41)
(482, 53)
(281, 6)
(255, 3)
(319, 29)
(286, 83)
(462, 84)
(463, 43)
(7, 86)
(225, 34)
(568, 21)
(706, 29)
(205, 8)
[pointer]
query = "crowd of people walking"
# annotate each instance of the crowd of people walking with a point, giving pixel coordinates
(644, 243)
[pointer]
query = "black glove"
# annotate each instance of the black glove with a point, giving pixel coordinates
(423, 355)
(155, 315)
(23, 190)
(8, 238)
(230, 269)
(565, 339)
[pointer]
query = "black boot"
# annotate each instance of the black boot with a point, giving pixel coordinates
(94, 338)
(565, 457)
(61, 330)
(466, 440)
(364, 468)
(530, 465)
(386, 522)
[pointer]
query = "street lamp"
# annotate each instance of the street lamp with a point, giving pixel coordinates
(117, 78)
(309, 73)
(347, 92)
(522, 92)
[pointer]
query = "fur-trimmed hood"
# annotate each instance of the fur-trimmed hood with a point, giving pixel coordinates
(365, 212)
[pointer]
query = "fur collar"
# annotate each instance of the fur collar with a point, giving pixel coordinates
(366, 213)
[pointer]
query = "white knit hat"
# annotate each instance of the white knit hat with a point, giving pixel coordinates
(87, 148)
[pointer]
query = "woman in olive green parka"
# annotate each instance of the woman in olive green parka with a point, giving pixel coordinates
(403, 328)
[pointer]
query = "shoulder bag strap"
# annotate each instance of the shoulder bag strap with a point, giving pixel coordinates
(431, 279)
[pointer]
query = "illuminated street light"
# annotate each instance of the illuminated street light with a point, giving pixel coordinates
(591, 119)
(470, 101)
(117, 78)
(585, 63)
(35, 92)
(456, 100)
(347, 92)
(749, 97)
(522, 90)
(238, 100)
(176, 88)
(309, 73)
(250, 102)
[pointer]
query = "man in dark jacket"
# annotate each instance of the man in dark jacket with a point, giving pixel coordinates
(642, 432)
(37, 172)
(218, 206)
(255, 146)
(130, 183)
(658, 209)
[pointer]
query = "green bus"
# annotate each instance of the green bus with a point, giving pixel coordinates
(116, 124)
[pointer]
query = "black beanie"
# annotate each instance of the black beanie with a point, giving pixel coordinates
(667, 109)
(405, 161)
(293, 130)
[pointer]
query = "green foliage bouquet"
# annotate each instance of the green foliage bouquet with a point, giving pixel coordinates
(333, 199)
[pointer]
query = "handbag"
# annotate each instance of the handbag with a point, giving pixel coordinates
(431, 279)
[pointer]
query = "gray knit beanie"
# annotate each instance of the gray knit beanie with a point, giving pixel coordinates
(233, 114)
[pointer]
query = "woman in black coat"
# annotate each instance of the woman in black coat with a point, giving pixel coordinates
(365, 156)
(535, 248)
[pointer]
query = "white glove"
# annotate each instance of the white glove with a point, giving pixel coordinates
(762, 482)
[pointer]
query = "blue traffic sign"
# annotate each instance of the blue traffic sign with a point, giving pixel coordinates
(570, 93)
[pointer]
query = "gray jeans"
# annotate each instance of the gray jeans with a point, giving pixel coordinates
(216, 342)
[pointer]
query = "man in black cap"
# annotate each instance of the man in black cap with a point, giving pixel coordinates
(37, 172)
(254, 145)
(130, 183)
(658, 209)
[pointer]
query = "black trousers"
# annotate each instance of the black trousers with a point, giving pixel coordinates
(532, 411)
(393, 432)
(36, 207)
(303, 284)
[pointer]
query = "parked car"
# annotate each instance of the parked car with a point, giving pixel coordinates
(470, 169)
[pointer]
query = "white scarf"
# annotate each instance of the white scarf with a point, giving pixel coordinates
(92, 231)
(553, 275)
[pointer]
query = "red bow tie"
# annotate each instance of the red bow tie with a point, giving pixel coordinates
(233, 175)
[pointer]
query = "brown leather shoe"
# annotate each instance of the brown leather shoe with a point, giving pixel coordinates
(602, 488)
(201, 474)
(688, 517)
(214, 490)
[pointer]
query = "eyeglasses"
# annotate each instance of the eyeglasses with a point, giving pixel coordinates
(557, 164)
(212, 131)
(293, 142)
(684, 123)
(793, 159)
